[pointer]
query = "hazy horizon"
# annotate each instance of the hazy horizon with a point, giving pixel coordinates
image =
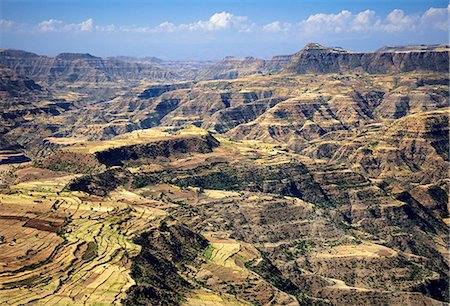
(206, 59)
(211, 30)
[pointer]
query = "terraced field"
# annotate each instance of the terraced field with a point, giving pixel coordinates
(68, 247)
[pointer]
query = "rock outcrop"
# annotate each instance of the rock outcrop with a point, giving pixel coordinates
(164, 148)
(232, 67)
(75, 67)
(315, 58)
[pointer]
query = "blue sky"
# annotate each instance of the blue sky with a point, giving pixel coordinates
(212, 29)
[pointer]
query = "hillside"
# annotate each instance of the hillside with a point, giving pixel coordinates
(315, 58)
(232, 67)
(77, 67)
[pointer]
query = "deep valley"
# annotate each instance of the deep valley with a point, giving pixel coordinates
(317, 178)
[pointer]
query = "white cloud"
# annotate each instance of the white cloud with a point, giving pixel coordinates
(328, 22)
(273, 27)
(51, 25)
(165, 27)
(87, 25)
(218, 22)
(366, 21)
(362, 21)
(105, 28)
(55, 25)
(436, 18)
(84, 26)
(6, 25)
(397, 21)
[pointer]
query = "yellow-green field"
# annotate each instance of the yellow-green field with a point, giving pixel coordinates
(86, 263)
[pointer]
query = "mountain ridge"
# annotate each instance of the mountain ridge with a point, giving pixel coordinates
(312, 58)
(79, 67)
(315, 58)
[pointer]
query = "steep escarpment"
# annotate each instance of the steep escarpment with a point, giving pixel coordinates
(157, 90)
(333, 106)
(284, 178)
(205, 106)
(165, 148)
(314, 58)
(231, 67)
(132, 148)
(21, 101)
(277, 108)
(251, 222)
(412, 149)
(75, 67)
(285, 108)
(14, 86)
(156, 269)
(398, 155)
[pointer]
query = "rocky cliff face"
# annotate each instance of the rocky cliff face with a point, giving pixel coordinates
(22, 100)
(330, 103)
(321, 229)
(277, 108)
(14, 86)
(314, 58)
(231, 67)
(75, 67)
(166, 148)
(157, 90)
(156, 267)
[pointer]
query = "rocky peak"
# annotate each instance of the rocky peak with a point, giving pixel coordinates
(75, 56)
(315, 47)
(79, 67)
(13, 53)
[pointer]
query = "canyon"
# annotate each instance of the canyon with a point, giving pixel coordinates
(317, 178)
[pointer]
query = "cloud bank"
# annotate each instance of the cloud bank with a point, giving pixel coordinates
(225, 33)
(343, 22)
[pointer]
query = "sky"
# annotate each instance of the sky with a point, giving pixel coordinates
(213, 29)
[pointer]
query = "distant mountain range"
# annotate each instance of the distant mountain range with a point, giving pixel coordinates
(313, 58)
(76, 67)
